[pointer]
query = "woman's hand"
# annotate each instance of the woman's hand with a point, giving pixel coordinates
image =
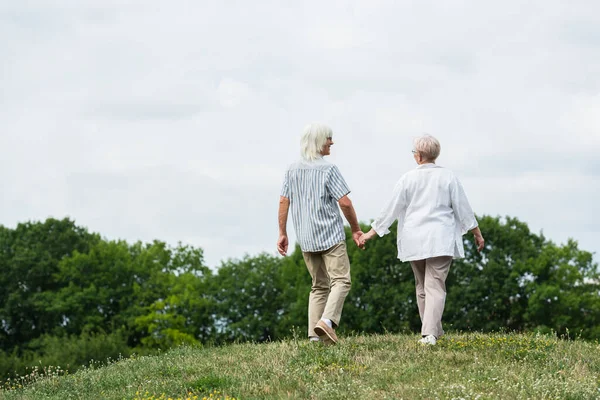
(478, 238)
(480, 242)
(362, 241)
(364, 238)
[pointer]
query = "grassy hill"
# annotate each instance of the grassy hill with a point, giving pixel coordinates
(461, 366)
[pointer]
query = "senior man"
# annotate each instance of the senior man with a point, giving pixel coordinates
(313, 188)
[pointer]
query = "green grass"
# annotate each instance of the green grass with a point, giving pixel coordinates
(461, 366)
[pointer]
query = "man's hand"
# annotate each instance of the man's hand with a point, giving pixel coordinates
(356, 236)
(282, 245)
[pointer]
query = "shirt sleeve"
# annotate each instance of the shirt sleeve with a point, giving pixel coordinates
(461, 207)
(336, 185)
(392, 211)
(285, 189)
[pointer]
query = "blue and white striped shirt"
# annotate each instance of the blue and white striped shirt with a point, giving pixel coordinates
(314, 188)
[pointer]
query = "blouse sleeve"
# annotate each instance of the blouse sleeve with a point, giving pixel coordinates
(391, 211)
(461, 207)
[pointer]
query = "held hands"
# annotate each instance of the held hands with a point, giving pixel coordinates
(362, 242)
(364, 238)
(357, 237)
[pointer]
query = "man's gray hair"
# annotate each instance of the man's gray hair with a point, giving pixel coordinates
(313, 139)
(428, 146)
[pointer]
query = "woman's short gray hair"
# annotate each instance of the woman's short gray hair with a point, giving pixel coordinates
(428, 146)
(313, 139)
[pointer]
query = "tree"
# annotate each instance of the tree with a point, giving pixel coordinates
(157, 294)
(248, 295)
(563, 291)
(484, 289)
(97, 289)
(183, 313)
(29, 259)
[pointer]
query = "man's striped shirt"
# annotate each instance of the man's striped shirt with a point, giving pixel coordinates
(314, 188)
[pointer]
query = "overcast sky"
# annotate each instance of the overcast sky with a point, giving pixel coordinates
(176, 120)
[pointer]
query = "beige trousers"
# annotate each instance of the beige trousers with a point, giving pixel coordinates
(330, 272)
(430, 280)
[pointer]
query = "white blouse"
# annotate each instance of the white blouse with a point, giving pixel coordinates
(432, 212)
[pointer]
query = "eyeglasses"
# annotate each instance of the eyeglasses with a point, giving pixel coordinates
(414, 151)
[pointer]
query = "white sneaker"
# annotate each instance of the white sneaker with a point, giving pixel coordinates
(429, 339)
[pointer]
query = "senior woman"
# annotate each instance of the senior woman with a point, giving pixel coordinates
(433, 213)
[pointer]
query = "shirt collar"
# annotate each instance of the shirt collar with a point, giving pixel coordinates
(428, 165)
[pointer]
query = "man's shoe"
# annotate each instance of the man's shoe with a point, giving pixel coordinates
(428, 340)
(326, 333)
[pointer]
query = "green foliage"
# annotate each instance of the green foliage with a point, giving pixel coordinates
(521, 281)
(248, 295)
(62, 282)
(29, 258)
(563, 292)
(65, 290)
(97, 287)
(485, 289)
(183, 316)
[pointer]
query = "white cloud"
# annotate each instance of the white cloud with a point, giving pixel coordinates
(231, 93)
(175, 121)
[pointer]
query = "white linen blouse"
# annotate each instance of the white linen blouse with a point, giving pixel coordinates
(432, 211)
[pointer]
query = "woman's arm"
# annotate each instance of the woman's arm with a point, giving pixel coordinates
(388, 214)
(461, 207)
(391, 211)
(464, 213)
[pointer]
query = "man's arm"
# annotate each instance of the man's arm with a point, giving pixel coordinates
(282, 243)
(348, 210)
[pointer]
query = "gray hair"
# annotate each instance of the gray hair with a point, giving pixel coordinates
(313, 139)
(428, 146)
